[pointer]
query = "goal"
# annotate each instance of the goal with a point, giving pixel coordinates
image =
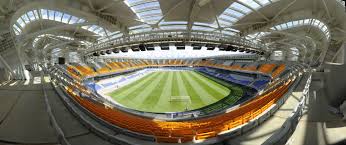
(180, 99)
(183, 99)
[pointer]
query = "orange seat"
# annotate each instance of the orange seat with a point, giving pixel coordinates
(278, 70)
(205, 135)
(266, 68)
(167, 139)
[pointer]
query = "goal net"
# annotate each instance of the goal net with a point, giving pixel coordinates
(182, 99)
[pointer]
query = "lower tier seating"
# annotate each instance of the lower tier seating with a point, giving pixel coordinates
(183, 131)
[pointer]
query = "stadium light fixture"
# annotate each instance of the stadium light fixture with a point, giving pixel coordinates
(108, 51)
(141, 47)
(180, 45)
(115, 50)
(124, 49)
(135, 48)
(164, 46)
(223, 47)
(96, 54)
(196, 46)
(233, 48)
(150, 47)
(210, 46)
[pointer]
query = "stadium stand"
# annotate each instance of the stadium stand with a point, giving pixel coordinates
(278, 70)
(198, 129)
(266, 68)
(183, 131)
(113, 67)
(159, 72)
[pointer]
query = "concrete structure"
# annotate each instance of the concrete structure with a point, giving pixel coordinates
(35, 33)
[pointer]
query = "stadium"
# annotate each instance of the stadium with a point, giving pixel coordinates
(172, 72)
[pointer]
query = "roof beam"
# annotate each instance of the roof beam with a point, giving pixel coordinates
(59, 45)
(91, 5)
(338, 52)
(243, 24)
(308, 39)
(256, 11)
(2, 10)
(283, 10)
(108, 5)
(10, 5)
(326, 9)
(211, 5)
(8, 67)
(170, 11)
(53, 29)
(194, 9)
(114, 21)
(123, 28)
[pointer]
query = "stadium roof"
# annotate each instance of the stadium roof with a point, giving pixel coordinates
(316, 28)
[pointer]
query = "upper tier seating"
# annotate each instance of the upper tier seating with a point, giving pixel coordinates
(250, 68)
(266, 68)
(278, 70)
(73, 72)
(103, 70)
(111, 65)
(82, 71)
(238, 79)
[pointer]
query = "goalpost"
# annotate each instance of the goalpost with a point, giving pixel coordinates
(184, 99)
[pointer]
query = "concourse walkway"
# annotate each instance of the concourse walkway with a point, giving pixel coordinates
(318, 126)
(262, 132)
(23, 115)
(24, 119)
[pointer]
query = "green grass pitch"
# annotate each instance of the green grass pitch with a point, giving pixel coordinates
(152, 93)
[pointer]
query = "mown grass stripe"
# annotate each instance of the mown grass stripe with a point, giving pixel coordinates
(150, 90)
(163, 103)
(181, 85)
(203, 94)
(138, 91)
(196, 100)
(215, 93)
(154, 96)
(212, 84)
(126, 90)
(128, 86)
(179, 89)
(175, 89)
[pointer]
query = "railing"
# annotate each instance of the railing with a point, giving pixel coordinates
(173, 35)
(61, 136)
(284, 133)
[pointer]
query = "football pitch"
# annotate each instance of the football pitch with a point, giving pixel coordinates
(170, 91)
